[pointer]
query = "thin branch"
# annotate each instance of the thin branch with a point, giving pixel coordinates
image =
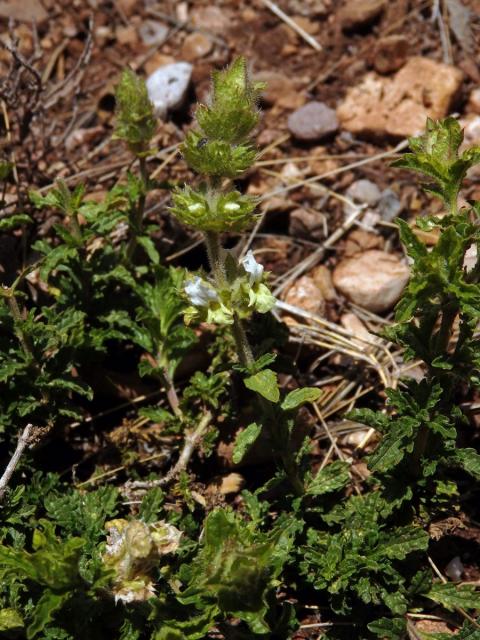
(191, 441)
(23, 442)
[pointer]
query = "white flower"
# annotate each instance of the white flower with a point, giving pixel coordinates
(199, 292)
(252, 267)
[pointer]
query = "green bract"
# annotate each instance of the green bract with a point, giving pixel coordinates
(213, 211)
(136, 122)
(217, 157)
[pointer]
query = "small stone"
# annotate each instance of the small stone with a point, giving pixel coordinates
(355, 326)
(24, 11)
(360, 240)
(213, 19)
(153, 33)
(322, 276)
(312, 122)
(400, 106)
(473, 105)
(127, 7)
(454, 569)
(126, 35)
(390, 54)
(364, 192)
(374, 280)
(167, 86)
(389, 206)
(157, 60)
(306, 295)
(307, 223)
(278, 87)
(231, 483)
(195, 46)
(360, 13)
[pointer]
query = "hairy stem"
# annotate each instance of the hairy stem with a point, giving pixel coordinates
(136, 226)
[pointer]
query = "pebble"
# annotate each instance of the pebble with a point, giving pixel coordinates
(360, 13)
(473, 105)
(454, 569)
(389, 206)
(396, 106)
(168, 86)
(307, 223)
(312, 122)
(306, 295)
(196, 45)
(364, 192)
(390, 54)
(280, 89)
(374, 279)
(213, 19)
(322, 276)
(153, 33)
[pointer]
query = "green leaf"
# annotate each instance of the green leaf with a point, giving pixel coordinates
(12, 222)
(389, 628)
(10, 620)
(333, 477)
(401, 542)
(467, 459)
(298, 397)
(244, 440)
(45, 610)
(451, 596)
(264, 383)
(150, 249)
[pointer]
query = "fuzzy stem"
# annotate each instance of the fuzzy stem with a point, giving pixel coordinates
(215, 257)
(136, 225)
(244, 350)
(245, 356)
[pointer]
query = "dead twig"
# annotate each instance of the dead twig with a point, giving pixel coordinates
(23, 442)
(274, 8)
(191, 441)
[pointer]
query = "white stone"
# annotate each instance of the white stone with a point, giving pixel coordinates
(168, 85)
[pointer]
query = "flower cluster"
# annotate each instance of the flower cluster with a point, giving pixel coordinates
(213, 211)
(243, 294)
(133, 549)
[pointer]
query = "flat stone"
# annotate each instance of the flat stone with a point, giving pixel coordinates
(364, 192)
(24, 11)
(213, 19)
(400, 106)
(305, 294)
(373, 280)
(307, 223)
(473, 105)
(312, 122)
(389, 206)
(360, 13)
(196, 45)
(390, 54)
(279, 89)
(168, 86)
(153, 33)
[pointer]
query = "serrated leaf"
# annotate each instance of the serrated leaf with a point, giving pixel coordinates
(44, 611)
(298, 397)
(333, 477)
(264, 383)
(401, 542)
(451, 596)
(469, 460)
(10, 619)
(6, 224)
(244, 440)
(389, 628)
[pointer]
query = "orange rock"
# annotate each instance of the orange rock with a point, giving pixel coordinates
(400, 106)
